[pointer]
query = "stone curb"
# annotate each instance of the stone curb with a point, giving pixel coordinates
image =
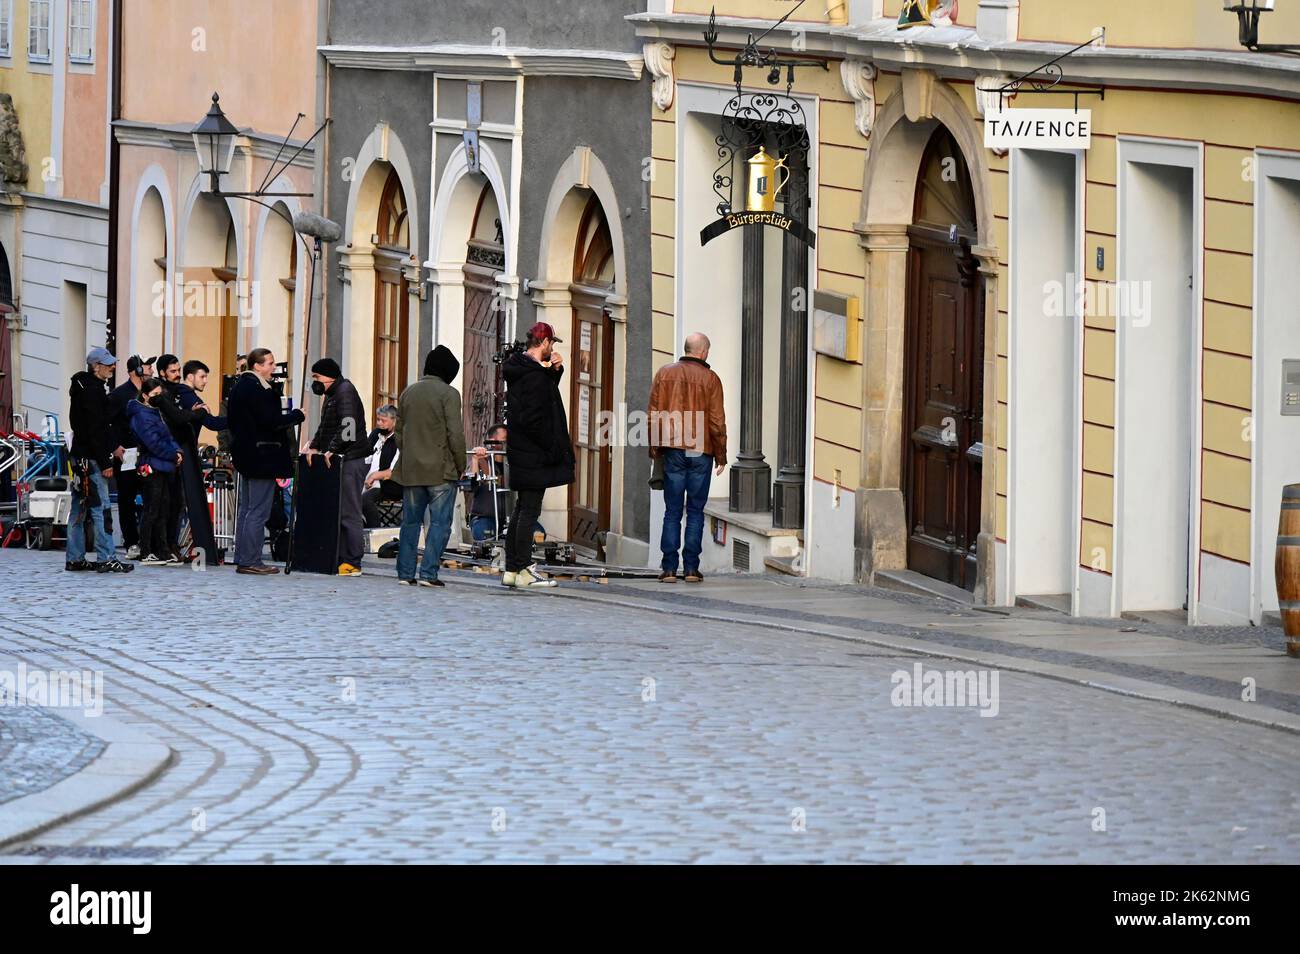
(130, 761)
(1107, 682)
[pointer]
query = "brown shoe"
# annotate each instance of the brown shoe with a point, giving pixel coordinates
(667, 577)
(259, 570)
(694, 576)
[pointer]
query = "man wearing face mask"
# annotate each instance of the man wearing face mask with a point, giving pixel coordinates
(342, 440)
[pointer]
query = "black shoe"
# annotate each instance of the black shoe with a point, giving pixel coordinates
(666, 577)
(114, 566)
(431, 583)
(78, 566)
(694, 576)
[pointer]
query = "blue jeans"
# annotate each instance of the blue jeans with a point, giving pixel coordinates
(76, 548)
(686, 478)
(440, 503)
(256, 496)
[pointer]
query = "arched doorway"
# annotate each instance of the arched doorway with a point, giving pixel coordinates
(147, 333)
(591, 383)
(392, 295)
(943, 394)
(485, 260)
(212, 300)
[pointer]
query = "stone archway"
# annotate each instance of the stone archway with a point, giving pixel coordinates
(381, 161)
(902, 131)
(581, 181)
(150, 303)
(212, 305)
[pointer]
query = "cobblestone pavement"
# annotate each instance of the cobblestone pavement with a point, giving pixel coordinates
(37, 749)
(319, 719)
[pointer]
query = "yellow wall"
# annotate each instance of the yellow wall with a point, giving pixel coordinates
(33, 95)
(1171, 24)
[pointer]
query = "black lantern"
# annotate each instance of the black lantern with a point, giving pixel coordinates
(214, 141)
(1248, 12)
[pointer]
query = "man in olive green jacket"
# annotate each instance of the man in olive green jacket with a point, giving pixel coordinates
(431, 438)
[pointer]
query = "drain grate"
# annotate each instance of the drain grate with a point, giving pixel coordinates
(740, 556)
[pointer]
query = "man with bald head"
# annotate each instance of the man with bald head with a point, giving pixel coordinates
(688, 434)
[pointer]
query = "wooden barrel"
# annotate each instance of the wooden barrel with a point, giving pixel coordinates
(1286, 567)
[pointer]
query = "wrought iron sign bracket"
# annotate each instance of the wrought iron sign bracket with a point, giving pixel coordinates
(1044, 79)
(752, 56)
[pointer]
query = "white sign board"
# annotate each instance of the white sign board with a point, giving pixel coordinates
(1038, 129)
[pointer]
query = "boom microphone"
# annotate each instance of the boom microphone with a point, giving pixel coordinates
(317, 227)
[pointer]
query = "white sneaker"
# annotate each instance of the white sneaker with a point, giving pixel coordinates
(529, 580)
(151, 560)
(508, 579)
(133, 552)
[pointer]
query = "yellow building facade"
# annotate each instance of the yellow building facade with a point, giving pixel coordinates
(1071, 386)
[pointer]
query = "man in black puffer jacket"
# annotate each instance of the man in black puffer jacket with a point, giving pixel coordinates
(538, 448)
(341, 436)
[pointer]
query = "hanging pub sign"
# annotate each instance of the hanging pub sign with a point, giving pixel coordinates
(1038, 129)
(751, 122)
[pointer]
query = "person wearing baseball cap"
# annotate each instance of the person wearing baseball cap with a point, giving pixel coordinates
(91, 460)
(538, 448)
(129, 483)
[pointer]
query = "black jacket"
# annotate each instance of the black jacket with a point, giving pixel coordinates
(392, 490)
(188, 399)
(118, 399)
(180, 421)
(90, 417)
(258, 426)
(538, 448)
(342, 429)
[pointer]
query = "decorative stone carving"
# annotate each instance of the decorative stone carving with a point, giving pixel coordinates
(918, 94)
(659, 61)
(13, 155)
(859, 79)
(987, 99)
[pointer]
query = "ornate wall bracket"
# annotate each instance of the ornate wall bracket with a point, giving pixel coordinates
(859, 79)
(659, 59)
(987, 97)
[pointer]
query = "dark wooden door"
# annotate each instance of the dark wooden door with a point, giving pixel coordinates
(483, 393)
(590, 400)
(943, 391)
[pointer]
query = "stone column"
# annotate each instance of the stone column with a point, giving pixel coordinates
(751, 477)
(792, 429)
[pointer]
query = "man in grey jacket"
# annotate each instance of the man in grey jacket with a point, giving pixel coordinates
(431, 441)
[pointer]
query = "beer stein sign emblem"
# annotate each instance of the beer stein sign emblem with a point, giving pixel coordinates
(764, 186)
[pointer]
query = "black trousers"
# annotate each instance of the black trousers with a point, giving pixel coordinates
(153, 529)
(519, 538)
(196, 505)
(175, 500)
(129, 485)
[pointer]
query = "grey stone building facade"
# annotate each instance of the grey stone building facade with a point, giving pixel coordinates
(487, 161)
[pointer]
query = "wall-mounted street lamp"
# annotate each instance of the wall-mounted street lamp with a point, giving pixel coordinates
(214, 142)
(1248, 12)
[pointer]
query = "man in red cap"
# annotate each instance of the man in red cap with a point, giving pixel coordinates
(538, 448)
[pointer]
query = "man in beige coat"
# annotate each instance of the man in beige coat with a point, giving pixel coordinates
(431, 440)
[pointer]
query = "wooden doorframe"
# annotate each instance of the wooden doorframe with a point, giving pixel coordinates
(593, 298)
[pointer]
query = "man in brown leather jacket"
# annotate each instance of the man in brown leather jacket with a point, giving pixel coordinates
(688, 433)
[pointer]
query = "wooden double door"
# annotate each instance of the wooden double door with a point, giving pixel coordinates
(943, 450)
(590, 404)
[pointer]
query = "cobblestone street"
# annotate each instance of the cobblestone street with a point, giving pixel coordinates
(322, 719)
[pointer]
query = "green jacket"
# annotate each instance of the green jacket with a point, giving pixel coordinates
(430, 434)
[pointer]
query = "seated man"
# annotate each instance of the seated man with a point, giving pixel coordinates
(484, 522)
(380, 485)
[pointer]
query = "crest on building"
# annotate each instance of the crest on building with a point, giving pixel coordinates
(932, 12)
